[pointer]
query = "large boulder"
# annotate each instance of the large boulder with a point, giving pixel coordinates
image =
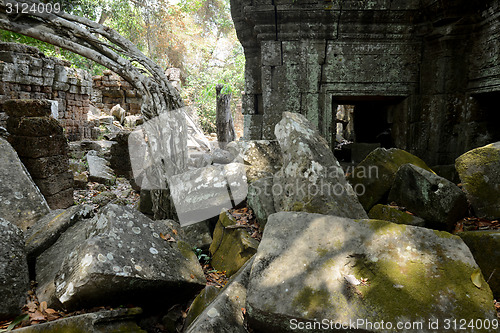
(263, 158)
(479, 171)
(231, 246)
(311, 178)
(372, 178)
(226, 313)
(392, 214)
(21, 202)
(117, 257)
(310, 266)
(435, 199)
(14, 280)
(484, 246)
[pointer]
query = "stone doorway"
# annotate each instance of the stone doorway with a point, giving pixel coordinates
(363, 124)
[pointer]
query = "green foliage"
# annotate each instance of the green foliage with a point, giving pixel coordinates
(201, 256)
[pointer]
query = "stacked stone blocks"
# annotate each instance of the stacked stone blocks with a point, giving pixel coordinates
(42, 147)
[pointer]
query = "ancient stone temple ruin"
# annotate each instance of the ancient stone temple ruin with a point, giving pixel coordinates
(26, 73)
(427, 72)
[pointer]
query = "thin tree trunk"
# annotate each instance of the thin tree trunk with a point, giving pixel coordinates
(224, 122)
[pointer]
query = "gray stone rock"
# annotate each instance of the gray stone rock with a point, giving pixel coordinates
(479, 171)
(311, 179)
(117, 320)
(391, 214)
(14, 280)
(198, 235)
(103, 198)
(372, 178)
(484, 246)
(99, 171)
(262, 157)
(202, 193)
(198, 160)
(117, 256)
(260, 199)
(311, 266)
(221, 156)
(119, 113)
(224, 314)
(106, 120)
(45, 232)
(433, 198)
(21, 202)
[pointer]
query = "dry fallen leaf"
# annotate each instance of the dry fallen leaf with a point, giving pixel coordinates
(192, 276)
(43, 306)
(244, 310)
(476, 278)
(174, 231)
(37, 316)
(31, 307)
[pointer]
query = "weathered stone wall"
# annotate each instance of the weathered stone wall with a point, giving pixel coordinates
(40, 143)
(110, 89)
(26, 73)
(433, 66)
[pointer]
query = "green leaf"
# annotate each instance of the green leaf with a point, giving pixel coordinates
(16, 322)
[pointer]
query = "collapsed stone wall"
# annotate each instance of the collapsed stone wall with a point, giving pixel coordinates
(432, 68)
(26, 73)
(110, 89)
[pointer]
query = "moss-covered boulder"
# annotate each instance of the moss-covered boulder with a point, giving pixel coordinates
(231, 246)
(311, 178)
(391, 214)
(311, 266)
(200, 303)
(479, 171)
(437, 200)
(372, 178)
(485, 246)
